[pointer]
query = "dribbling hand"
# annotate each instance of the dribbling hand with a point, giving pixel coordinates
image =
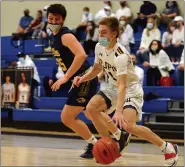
(119, 120)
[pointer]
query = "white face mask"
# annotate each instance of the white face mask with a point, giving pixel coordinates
(122, 22)
(22, 60)
(54, 27)
(149, 25)
(107, 13)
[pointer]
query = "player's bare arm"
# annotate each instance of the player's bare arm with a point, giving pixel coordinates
(96, 69)
(71, 42)
(118, 117)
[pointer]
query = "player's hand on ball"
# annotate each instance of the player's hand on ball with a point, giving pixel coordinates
(118, 119)
(59, 82)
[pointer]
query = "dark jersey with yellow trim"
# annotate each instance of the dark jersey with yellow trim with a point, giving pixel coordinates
(63, 54)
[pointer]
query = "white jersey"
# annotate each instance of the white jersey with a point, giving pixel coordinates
(115, 62)
(8, 89)
(24, 93)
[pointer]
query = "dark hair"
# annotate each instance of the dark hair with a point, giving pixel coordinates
(111, 22)
(159, 47)
(40, 12)
(170, 24)
(174, 4)
(86, 8)
(91, 32)
(20, 54)
(58, 9)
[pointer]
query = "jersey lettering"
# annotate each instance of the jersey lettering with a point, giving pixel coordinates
(59, 59)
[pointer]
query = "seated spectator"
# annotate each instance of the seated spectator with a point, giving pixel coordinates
(175, 50)
(35, 26)
(48, 81)
(106, 11)
(139, 71)
(159, 64)
(170, 12)
(167, 36)
(126, 33)
(91, 37)
(26, 61)
(24, 22)
(150, 33)
(147, 10)
(124, 11)
(180, 71)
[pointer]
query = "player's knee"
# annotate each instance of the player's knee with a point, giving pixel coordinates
(90, 109)
(129, 128)
(65, 120)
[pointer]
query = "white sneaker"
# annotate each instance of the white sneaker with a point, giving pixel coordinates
(171, 157)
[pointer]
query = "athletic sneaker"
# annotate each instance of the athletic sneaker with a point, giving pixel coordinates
(171, 155)
(123, 141)
(88, 152)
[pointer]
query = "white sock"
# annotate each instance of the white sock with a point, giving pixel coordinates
(166, 147)
(117, 134)
(92, 140)
(163, 146)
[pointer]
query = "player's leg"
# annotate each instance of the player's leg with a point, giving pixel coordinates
(170, 151)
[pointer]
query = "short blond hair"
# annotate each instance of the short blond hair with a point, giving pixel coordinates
(111, 22)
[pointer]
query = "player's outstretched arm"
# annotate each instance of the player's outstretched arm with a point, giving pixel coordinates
(93, 72)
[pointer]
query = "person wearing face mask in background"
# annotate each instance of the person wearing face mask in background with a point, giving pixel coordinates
(159, 64)
(124, 11)
(170, 12)
(126, 36)
(26, 61)
(175, 50)
(106, 11)
(147, 10)
(91, 37)
(81, 28)
(139, 71)
(150, 33)
(24, 22)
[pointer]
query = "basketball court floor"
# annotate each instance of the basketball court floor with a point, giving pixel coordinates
(19, 150)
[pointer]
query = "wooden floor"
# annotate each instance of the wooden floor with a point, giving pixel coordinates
(19, 150)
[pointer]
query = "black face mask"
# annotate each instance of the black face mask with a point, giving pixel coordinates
(178, 25)
(134, 63)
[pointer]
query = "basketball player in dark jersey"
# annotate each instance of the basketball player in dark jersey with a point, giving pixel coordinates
(72, 59)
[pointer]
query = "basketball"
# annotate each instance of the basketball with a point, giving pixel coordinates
(106, 151)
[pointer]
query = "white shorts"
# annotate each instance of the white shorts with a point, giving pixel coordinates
(133, 99)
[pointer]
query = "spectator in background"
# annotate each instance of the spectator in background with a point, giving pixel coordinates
(180, 71)
(26, 61)
(170, 12)
(124, 11)
(167, 36)
(159, 64)
(92, 35)
(35, 26)
(24, 22)
(126, 33)
(147, 10)
(106, 11)
(139, 71)
(57, 73)
(87, 16)
(150, 33)
(175, 50)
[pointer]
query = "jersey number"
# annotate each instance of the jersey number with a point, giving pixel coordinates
(61, 64)
(109, 74)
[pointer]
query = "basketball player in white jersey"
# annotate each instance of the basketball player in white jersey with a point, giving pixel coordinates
(124, 88)
(8, 91)
(23, 90)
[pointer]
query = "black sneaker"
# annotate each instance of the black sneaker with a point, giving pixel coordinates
(88, 152)
(123, 141)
